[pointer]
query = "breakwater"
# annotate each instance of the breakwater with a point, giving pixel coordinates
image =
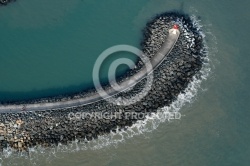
(25, 129)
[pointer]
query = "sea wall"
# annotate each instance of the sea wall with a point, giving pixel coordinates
(25, 129)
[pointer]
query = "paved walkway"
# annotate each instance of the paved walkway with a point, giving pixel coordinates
(155, 62)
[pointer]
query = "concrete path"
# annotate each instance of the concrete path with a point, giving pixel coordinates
(155, 62)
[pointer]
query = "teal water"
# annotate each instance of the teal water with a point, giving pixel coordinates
(214, 129)
(49, 48)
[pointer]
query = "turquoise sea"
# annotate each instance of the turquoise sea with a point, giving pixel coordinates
(50, 47)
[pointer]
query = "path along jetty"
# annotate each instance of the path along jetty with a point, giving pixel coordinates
(176, 57)
(155, 61)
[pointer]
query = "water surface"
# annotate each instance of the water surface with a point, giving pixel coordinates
(53, 44)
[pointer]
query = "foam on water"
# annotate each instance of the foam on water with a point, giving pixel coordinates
(140, 127)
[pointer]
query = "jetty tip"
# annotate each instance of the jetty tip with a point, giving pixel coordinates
(176, 26)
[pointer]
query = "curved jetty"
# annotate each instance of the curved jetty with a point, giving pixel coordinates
(155, 61)
(176, 57)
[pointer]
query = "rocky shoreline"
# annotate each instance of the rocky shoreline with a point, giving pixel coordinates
(51, 127)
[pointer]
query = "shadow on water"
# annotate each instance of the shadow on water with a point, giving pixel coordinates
(7, 97)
